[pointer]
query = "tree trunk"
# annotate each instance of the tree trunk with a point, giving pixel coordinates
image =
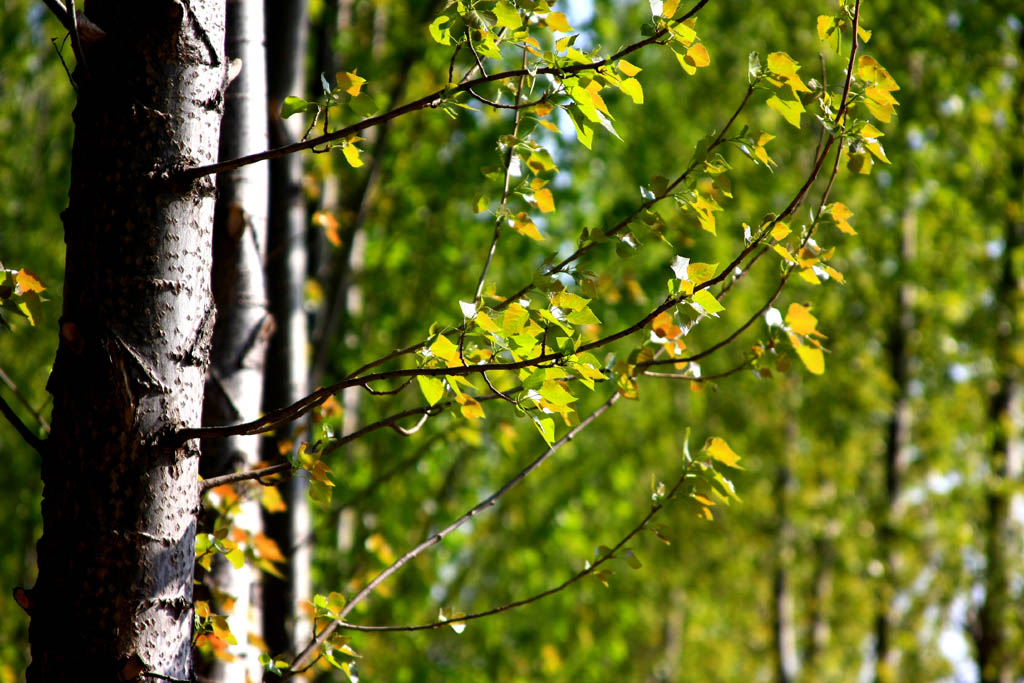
(234, 387)
(997, 620)
(114, 592)
(286, 627)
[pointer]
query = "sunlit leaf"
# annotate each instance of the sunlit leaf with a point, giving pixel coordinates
(719, 450)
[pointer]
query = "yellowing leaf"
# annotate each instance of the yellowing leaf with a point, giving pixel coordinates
(444, 349)
(470, 407)
(719, 450)
(664, 325)
(800, 320)
(27, 282)
(507, 15)
(432, 388)
(812, 358)
(558, 22)
(632, 87)
(668, 8)
(708, 302)
(790, 109)
(545, 201)
(627, 68)
(350, 82)
(826, 25)
(699, 55)
(782, 64)
(522, 224)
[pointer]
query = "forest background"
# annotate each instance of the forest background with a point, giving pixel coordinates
(879, 533)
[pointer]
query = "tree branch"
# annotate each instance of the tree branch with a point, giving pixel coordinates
(432, 100)
(31, 439)
(61, 12)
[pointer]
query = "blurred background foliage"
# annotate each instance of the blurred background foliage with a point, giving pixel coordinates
(859, 550)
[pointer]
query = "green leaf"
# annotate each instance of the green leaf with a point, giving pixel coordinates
(708, 303)
(294, 105)
(432, 388)
(546, 427)
(584, 131)
(441, 35)
(507, 16)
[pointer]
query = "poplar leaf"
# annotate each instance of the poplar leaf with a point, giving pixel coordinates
(719, 450)
(790, 109)
(558, 22)
(800, 320)
(812, 358)
(27, 282)
(628, 68)
(545, 201)
(432, 388)
(708, 303)
(632, 87)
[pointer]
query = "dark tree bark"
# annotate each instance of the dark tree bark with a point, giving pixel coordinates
(286, 628)
(114, 592)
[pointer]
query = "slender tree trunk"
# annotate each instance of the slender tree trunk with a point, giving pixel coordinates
(114, 592)
(286, 627)
(234, 387)
(998, 620)
(897, 440)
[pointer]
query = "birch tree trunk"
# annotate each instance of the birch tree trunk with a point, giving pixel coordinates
(234, 386)
(114, 592)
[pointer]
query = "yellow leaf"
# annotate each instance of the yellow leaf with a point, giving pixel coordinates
(780, 231)
(835, 274)
(550, 126)
(668, 8)
(545, 202)
(350, 82)
(718, 449)
(470, 407)
(808, 275)
(813, 358)
(332, 229)
(783, 252)
(840, 213)
(558, 22)
(800, 320)
(351, 153)
(628, 69)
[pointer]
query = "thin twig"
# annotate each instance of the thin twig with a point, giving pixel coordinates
(306, 655)
(213, 482)
(583, 573)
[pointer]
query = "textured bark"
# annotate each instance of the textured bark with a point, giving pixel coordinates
(286, 628)
(114, 592)
(234, 387)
